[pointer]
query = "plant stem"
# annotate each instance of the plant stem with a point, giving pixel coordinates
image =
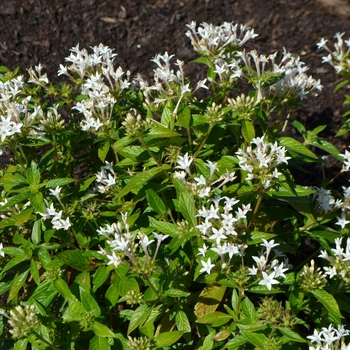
(45, 341)
(203, 141)
(255, 210)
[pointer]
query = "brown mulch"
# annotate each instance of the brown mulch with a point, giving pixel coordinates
(34, 31)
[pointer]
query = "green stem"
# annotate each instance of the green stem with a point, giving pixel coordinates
(255, 210)
(45, 341)
(203, 141)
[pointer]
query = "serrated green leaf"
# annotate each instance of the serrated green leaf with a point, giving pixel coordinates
(291, 335)
(155, 201)
(21, 344)
(10, 180)
(59, 182)
(256, 339)
(209, 299)
(103, 150)
(139, 316)
(295, 146)
(187, 208)
(33, 174)
(236, 342)
(75, 259)
(182, 322)
(168, 338)
(248, 131)
(99, 343)
(121, 143)
(328, 301)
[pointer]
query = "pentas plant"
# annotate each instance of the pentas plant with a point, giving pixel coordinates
(164, 214)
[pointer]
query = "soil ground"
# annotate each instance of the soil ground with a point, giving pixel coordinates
(43, 31)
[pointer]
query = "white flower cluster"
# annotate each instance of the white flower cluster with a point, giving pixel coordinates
(210, 40)
(201, 185)
(346, 162)
(123, 242)
(326, 203)
(169, 84)
(106, 177)
(261, 162)
(340, 58)
(56, 216)
(330, 338)
(218, 227)
(289, 73)
(100, 80)
(10, 108)
(339, 260)
(269, 271)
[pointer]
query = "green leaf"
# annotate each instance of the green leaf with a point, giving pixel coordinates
(112, 294)
(248, 131)
(168, 338)
(36, 232)
(159, 131)
(183, 116)
(209, 299)
(175, 293)
(10, 180)
(33, 174)
(182, 322)
(295, 146)
(140, 180)
(15, 261)
(59, 182)
(122, 283)
(236, 342)
(34, 271)
(328, 301)
(75, 259)
(291, 335)
(214, 317)
(155, 202)
(139, 316)
(164, 227)
(328, 147)
(15, 199)
(341, 84)
(187, 208)
(100, 277)
(17, 284)
(103, 150)
(344, 128)
(17, 219)
(37, 201)
(167, 118)
(89, 302)
(62, 288)
(98, 343)
(21, 344)
(248, 310)
(256, 339)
